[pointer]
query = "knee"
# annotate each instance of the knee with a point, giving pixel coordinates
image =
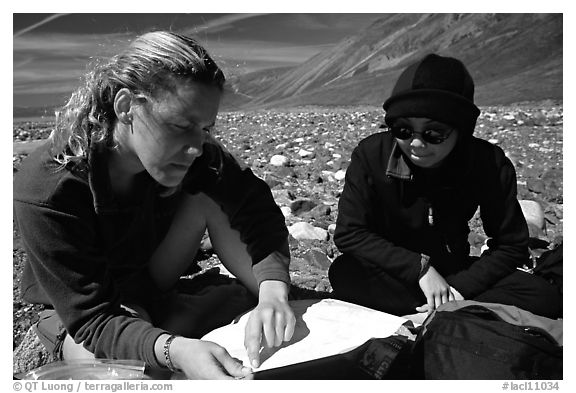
(546, 298)
(342, 271)
(528, 292)
(348, 276)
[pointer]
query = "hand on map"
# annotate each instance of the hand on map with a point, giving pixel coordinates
(436, 290)
(206, 360)
(457, 295)
(271, 322)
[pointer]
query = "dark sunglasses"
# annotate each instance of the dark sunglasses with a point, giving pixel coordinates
(434, 137)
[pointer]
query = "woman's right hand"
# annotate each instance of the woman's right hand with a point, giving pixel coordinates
(206, 360)
(436, 290)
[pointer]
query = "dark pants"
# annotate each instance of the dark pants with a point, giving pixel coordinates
(195, 307)
(354, 282)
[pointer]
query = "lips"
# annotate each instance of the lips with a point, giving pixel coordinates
(181, 166)
(419, 155)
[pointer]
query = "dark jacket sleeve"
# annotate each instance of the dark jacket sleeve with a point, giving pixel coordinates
(505, 226)
(355, 234)
(66, 263)
(248, 203)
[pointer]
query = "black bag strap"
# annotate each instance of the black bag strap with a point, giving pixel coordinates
(375, 359)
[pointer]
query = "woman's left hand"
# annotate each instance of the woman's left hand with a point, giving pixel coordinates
(271, 322)
(435, 289)
(457, 295)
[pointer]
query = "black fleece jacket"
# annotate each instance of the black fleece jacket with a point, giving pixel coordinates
(391, 212)
(87, 252)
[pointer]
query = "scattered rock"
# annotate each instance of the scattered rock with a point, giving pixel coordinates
(476, 239)
(279, 160)
(273, 183)
(300, 206)
(534, 216)
(305, 231)
(283, 197)
(317, 258)
(30, 354)
(320, 212)
(206, 243)
(285, 172)
(340, 175)
(536, 185)
(331, 228)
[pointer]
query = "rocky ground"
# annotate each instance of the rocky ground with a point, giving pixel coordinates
(303, 155)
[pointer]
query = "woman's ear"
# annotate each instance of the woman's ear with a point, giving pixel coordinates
(123, 105)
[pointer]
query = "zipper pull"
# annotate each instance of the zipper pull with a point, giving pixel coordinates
(430, 216)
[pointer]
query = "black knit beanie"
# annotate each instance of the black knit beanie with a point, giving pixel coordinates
(436, 87)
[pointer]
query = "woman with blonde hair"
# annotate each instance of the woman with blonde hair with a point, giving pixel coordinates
(113, 208)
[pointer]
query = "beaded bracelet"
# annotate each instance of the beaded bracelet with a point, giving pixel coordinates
(169, 363)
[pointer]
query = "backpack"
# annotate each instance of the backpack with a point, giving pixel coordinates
(473, 340)
(377, 358)
(549, 266)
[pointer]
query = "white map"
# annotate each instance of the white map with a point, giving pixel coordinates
(323, 328)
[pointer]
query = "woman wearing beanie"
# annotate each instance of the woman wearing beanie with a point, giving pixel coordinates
(403, 215)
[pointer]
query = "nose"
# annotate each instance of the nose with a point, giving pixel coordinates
(194, 150)
(417, 141)
(195, 144)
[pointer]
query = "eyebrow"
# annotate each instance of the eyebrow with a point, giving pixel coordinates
(187, 123)
(179, 119)
(401, 121)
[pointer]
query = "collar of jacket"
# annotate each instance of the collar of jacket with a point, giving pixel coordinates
(397, 165)
(456, 167)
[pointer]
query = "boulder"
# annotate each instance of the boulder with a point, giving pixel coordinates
(285, 172)
(279, 160)
(340, 175)
(534, 215)
(286, 211)
(317, 258)
(282, 197)
(536, 185)
(320, 212)
(300, 206)
(305, 231)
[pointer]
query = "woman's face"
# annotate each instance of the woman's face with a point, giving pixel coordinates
(421, 152)
(168, 132)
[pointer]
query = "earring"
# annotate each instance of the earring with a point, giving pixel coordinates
(125, 118)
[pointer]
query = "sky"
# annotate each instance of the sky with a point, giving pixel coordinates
(51, 51)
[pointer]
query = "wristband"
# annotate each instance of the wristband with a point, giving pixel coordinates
(424, 265)
(169, 363)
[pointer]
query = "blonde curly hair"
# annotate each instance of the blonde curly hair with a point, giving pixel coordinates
(152, 64)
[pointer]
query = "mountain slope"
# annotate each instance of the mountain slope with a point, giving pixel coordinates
(512, 57)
